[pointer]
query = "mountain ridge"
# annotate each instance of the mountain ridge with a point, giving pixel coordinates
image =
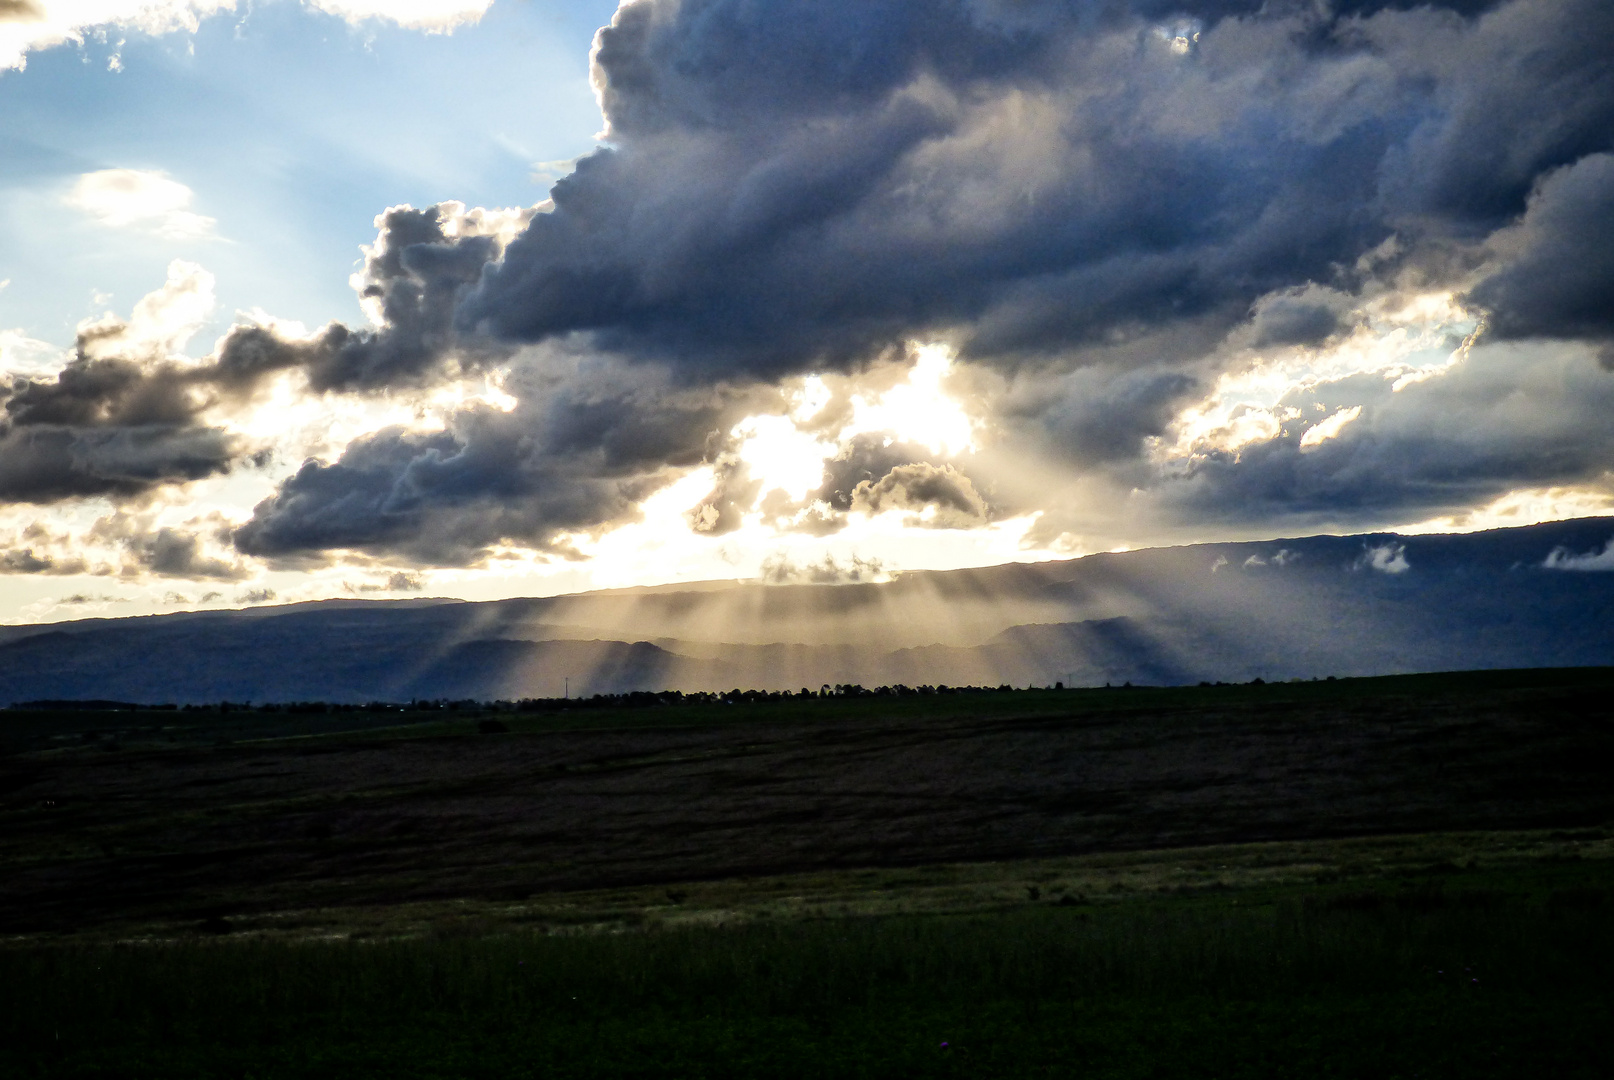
(1375, 603)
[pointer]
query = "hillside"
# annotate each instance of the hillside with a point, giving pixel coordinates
(1297, 608)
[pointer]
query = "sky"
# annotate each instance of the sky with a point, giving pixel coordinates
(479, 298)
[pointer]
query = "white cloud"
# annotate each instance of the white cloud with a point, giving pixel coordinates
(42, 24)
(1386, 558)
(23, 355)
(1402, 339)
(1330, 428)
(30, 25)
(162, 322)
(432, 16)
(132, 199)
(1561, 559)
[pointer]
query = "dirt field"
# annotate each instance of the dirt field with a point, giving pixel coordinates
(120, 820)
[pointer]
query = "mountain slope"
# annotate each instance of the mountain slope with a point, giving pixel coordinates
(1307, 607)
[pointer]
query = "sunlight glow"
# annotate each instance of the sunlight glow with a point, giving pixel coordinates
(919, 410)
(781, 455)
(1523, 506)
(1329, 428)
(1402, 340)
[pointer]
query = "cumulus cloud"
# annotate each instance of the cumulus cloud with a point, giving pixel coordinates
(1562, 559)
(1112, 218)
(79, 599)
(24, 561)
(585, 442)
(941, 498)
(169, 552)
(1390, 558)
(133, 545)
(395, 582)
(781, 570)
(1222, 263)
(413, 276)
(1556, 277)
(128, 412)
(131, 198)
(124, 415)
(783, 192)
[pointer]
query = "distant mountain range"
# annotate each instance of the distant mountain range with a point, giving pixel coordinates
(1539, 596)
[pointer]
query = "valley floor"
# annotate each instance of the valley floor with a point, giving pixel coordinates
(1392, 877)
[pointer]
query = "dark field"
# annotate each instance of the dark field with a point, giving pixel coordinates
(233, 818)
(1379, 877)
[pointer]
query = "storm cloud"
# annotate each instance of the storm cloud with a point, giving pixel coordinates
(1094, 199)
(113, 427)
(785, 191)
(1109, 213)
(584, 444)
(940, 498)
(1558, 277)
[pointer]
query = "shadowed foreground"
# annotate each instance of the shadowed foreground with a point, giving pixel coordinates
(229, 819)
(1255, 881)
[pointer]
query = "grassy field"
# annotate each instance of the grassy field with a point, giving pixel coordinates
(1404, 877)
(1432, 971)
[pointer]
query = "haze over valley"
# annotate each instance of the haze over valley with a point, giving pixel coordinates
(1303, 608)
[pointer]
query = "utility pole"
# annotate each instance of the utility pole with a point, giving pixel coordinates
(568, 685)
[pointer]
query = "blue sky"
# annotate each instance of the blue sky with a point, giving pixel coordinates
(294, 129)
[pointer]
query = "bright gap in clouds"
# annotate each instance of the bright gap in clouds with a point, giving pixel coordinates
(918, 410)
(1401, 341)
(787, 454)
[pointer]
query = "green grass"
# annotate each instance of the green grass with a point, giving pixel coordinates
(1462, 973)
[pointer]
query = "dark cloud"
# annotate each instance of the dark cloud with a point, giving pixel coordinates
(167, 551)
(122, 417)
(1505, 419)
(1300, 316)
(787, 191)
(108, 426)
(864, 459)
(46, 464)
(780, 570)
(1096, 417)
(1558, 277)
(580, 450)
(1524, 91)
(1090, 197)
(920, 487)
(1103, 202)
(412, 280)
(398, 581)
(20, 11)
(174, 553)
(24, 561)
